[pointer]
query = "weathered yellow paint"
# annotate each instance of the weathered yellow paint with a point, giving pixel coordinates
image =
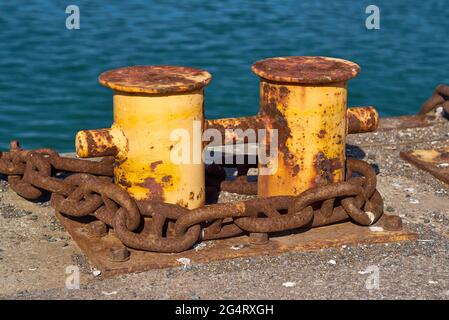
(158, 111)
(142, 143)
(140, 139)
(101, 142)
(312, 127)
(145, 168)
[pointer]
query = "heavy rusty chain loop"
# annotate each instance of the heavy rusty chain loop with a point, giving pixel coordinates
(30, 172)
(440, 97)
(153, 239)
(77, 202)
(162, 227)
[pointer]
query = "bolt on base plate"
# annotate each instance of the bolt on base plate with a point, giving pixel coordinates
(98, 250)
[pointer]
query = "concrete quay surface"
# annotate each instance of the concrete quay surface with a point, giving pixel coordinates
(35, 251)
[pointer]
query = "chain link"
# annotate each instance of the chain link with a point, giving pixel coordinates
(440, 97)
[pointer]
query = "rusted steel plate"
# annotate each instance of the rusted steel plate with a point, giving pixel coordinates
(404, 122)
(155, 79)
(98, 249)
(434, 161)
(306, 70)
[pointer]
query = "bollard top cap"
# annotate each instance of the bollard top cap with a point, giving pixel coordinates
(306, 70)
(155, 79)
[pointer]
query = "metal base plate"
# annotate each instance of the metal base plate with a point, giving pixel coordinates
(337, 235)
(436, 161)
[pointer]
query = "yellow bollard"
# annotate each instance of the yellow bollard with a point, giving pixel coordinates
(304, 98)
(150, 103)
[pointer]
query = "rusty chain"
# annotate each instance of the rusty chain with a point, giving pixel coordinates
(440, 97)
(84, 188)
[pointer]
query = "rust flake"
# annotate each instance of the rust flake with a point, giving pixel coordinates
(271, 97)
(322, 134)
(124, 182)
(324, 169)
(167, 179)
(296, 169)
(182, 203)
(154, 164)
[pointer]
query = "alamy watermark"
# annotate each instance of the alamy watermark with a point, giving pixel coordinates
(72, 22)
(372, 282)
(72, 282)
(372, 22)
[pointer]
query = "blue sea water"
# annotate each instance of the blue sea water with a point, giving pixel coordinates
(48, 74)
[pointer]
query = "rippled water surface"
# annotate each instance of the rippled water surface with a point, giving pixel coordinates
(48, 74)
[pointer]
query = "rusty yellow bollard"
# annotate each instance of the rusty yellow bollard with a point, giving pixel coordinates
(304, 98)
(150, 103)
